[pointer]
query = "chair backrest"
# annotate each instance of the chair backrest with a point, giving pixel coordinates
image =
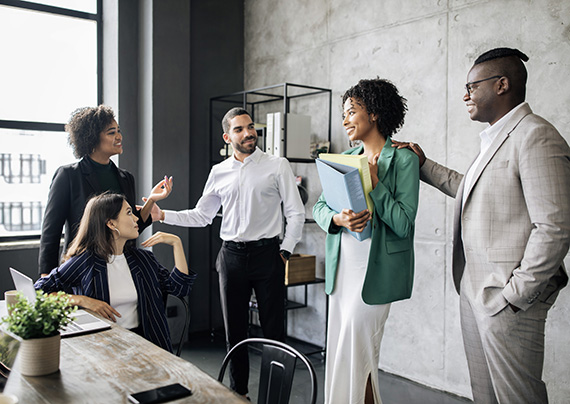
(278, 362)
(186, 321)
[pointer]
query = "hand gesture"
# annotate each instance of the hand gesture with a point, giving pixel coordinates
(161, 190)
(161, 237)
(177, 248)
(352, 221)
(413, 147)
(100, 307)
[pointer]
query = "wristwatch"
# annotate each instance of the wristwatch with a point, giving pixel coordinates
(285, 254)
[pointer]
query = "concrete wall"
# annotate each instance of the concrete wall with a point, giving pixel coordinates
(426, 48)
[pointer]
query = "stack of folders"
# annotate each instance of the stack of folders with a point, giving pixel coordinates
(346, 184)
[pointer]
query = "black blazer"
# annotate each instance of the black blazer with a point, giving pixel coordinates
(72, 186)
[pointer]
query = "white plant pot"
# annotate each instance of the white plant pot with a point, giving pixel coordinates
(39, 356)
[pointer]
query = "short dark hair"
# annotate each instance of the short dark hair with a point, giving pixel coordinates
(507, 62)
(85, 127)
(231, 114)
(93, 234)
(498, 53)
(380, 97)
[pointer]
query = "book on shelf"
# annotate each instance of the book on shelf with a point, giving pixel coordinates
(358, 161)
(342, 188)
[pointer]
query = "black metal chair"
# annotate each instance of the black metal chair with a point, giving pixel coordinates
(278, 362)
(186, 321)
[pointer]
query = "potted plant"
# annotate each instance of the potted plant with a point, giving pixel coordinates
(38, 324)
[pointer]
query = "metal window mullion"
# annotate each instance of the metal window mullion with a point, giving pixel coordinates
(44, 8)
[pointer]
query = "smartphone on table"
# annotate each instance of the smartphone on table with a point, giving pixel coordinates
(160, 394)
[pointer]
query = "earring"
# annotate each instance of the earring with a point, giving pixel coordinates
(117, 230)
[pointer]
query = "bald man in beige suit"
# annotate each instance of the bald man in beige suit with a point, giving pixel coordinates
(511, 231)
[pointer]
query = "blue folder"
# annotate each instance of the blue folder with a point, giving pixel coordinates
(342, 188)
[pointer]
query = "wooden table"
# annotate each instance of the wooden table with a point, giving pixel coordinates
(106, 366)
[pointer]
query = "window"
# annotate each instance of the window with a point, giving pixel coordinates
(51, 66)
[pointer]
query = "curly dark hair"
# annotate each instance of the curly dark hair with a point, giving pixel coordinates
(380, 97)
(85, 126)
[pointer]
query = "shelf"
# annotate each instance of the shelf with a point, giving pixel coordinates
(256, 101)
(317, 280)
(289, 305)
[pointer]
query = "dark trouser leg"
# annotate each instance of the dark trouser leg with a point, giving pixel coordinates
(267, 273)
(235, 292)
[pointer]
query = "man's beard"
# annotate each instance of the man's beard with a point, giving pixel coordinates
(246, 149)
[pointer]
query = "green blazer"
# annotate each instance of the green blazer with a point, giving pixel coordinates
(390, 272)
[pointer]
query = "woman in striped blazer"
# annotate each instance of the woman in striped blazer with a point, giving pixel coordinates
(125, 285)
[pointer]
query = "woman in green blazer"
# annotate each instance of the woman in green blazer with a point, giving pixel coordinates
(364, 277)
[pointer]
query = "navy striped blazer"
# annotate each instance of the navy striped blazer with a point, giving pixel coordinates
(86, 274)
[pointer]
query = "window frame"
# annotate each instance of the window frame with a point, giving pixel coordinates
(56, 126)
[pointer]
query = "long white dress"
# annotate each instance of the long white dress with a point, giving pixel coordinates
(355, 329)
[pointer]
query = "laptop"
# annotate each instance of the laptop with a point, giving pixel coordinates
(84, 322)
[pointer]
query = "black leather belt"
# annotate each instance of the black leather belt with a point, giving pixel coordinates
(242, 245)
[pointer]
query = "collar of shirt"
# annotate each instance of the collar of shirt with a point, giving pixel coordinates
(253, 157)
(487, 138)
(489, 134)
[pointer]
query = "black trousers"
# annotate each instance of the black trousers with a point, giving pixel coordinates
(241, 268)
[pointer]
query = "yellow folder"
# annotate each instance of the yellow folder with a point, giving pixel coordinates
(358, 161)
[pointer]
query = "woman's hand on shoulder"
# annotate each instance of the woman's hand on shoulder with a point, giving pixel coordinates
(351, 220)
(100, 307)
(161, 238)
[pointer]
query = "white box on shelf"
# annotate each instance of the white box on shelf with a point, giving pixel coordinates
(298, 136)
(277, 134)
(269, 134)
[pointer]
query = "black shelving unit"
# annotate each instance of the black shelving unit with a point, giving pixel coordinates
(277, 98)
(281, 95)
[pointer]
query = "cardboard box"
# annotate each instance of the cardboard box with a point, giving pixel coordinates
(300, 268)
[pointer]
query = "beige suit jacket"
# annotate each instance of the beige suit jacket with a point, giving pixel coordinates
(513, 232)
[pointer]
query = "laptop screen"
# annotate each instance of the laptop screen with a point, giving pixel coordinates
(24, 284)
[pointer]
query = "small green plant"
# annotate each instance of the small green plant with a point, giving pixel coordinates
(44, 318)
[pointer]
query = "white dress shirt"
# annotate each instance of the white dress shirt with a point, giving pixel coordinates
(250, 194)
(487, 137)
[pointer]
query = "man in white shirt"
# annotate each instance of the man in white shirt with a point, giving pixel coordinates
(511, 231)
(255, 191)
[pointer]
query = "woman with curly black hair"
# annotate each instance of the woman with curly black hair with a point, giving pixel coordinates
(364, 277)
(95, 137)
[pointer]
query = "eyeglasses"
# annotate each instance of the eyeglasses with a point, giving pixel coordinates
(468, 85)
